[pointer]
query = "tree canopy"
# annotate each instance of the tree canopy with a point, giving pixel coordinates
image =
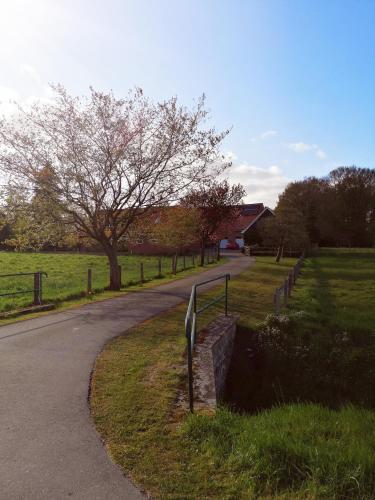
(214, 202)
(175, 227)
(109, 161)
(338, 209)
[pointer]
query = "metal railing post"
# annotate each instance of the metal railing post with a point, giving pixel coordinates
(195, 307)
(285, 292)
(142, 272)
(36, 289)
(226, 295)
(190, 372)
(40, 288)
(89, 281)
(120, 275)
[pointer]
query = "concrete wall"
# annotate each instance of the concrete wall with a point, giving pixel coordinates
(211, 361)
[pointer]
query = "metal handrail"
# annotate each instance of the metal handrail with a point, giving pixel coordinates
(191, 324)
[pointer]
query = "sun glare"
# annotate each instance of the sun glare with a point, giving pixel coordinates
(22, 20)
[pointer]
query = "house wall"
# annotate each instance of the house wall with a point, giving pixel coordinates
(223, 243)
(240, 242)
(252, 236)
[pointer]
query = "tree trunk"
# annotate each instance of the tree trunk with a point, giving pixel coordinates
(278, 255)
(280, 251)
(114, 271)
(202, 253)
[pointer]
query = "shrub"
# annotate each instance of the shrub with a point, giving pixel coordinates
(288, 364)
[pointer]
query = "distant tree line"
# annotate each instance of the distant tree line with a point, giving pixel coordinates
(336, 210)
(31, 221)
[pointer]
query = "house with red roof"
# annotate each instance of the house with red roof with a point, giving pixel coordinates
(243, 229)
(232, 235)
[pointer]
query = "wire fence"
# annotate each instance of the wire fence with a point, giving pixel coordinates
(33, 285)
(71, 277)
(283, 292)
(256, 250)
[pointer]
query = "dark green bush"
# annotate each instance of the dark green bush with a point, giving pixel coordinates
(284, 363)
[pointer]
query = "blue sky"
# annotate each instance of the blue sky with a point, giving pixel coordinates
(295, 79)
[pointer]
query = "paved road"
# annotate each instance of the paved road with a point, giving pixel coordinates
(48, 446)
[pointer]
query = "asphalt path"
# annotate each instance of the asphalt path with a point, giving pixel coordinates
(49, 448)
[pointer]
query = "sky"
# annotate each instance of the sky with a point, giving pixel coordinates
(293, 79)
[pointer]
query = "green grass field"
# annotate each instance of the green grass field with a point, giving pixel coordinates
(338, 290)
(294, 449)
(67, 274)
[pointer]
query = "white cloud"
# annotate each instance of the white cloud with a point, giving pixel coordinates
(274, 169)
(42, 93)
(7, 98)
(268, 133)
(302, 147)
(44, 96)
(262, 184)
(7, 93)
(321, 154)
(230, 156)
(264, 135)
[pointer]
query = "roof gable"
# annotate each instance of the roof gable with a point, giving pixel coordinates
(257, 217)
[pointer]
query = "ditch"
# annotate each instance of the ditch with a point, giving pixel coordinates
(282, 363)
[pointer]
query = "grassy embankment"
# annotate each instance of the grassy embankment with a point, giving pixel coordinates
(291, 450)
(67, 275)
